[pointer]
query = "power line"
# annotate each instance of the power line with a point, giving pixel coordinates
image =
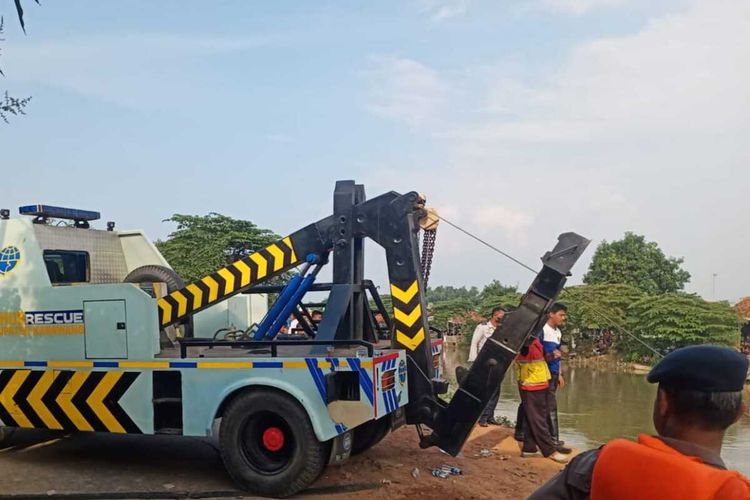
(595, 309)
(480, 240)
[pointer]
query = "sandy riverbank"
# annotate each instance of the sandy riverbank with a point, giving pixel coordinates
(504, 474)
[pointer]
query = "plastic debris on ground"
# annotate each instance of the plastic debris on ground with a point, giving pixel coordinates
(484, 453)
(445, 471)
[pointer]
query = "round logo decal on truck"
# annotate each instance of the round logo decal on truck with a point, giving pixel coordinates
(9, 259)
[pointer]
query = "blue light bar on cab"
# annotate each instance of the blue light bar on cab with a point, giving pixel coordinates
(59, 212)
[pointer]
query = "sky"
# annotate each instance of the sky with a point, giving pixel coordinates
(519, 120)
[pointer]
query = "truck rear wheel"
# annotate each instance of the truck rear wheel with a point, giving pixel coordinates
(369, 434)
(268, 444)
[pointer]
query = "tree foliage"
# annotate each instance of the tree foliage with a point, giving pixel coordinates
(672, 320)
(444, 293)
(202, 244)
(496, 294)
(598, 307)
(611, 315)
(634, 261)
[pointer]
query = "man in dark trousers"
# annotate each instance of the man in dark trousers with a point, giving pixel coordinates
(552, 341)
(698, 398)
(533, 381)
(482, 332)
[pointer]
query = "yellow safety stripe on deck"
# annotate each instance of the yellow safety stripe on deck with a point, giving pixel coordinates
(65, 401)
(35, 400)
(6, 398)
(143, 364)
(214, 364)
(178, 364)
(295, 364)
(69, 400)
(96, 402)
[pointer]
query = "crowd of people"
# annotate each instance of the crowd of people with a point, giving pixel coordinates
(699, 396)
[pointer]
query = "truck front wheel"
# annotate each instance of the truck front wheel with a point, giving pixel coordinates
(268, 444)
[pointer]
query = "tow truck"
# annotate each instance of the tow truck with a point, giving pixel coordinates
(99, 334)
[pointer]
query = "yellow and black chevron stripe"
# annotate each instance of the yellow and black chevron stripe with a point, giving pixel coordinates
(66, 400)
(272, 260)
(407, 313)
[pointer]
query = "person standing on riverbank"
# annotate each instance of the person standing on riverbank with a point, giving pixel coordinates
(533, 382)
(482, 332)
(698, 398)
(552, 341)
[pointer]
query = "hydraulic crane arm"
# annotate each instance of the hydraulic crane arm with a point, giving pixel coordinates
(451, 423)
(254, 269)
(393, 221)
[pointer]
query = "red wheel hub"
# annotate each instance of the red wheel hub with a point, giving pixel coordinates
(273, 439)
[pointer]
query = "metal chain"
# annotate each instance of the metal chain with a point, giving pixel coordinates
(428, 249)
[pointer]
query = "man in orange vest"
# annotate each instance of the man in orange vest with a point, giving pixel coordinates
(698, 398)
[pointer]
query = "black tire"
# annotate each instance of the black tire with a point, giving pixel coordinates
(254, 455)
(369, 434)
(161, 274)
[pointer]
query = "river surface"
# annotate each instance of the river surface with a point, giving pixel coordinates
(599, 404)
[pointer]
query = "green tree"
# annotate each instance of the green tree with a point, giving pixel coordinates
(598, 307)
(496, 294)
(201, 244)
(673, 320)
(634, 261)
(443, 293)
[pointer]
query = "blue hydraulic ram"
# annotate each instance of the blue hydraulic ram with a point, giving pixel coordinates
(264, 328)
(303, 288)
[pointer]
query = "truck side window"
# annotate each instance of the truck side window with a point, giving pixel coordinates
(67, 266)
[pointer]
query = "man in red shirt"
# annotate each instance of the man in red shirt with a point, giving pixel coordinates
(533, 382)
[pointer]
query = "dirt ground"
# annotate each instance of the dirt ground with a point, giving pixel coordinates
(503, 474)
(40, 464)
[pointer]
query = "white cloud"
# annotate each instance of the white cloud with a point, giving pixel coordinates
(492, 216)
(644, 132)
(682, 75)
(405, 90)
(578, 7)
(441, 10)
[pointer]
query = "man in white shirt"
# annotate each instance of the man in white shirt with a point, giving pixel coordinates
(482, 332)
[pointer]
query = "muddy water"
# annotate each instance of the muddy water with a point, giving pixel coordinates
(599, 404)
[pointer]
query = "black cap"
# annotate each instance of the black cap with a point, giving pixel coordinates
(704, 368)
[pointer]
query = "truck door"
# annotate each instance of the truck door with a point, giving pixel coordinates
(106, 329)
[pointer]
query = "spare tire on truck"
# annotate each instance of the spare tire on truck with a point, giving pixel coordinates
(161, 274)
